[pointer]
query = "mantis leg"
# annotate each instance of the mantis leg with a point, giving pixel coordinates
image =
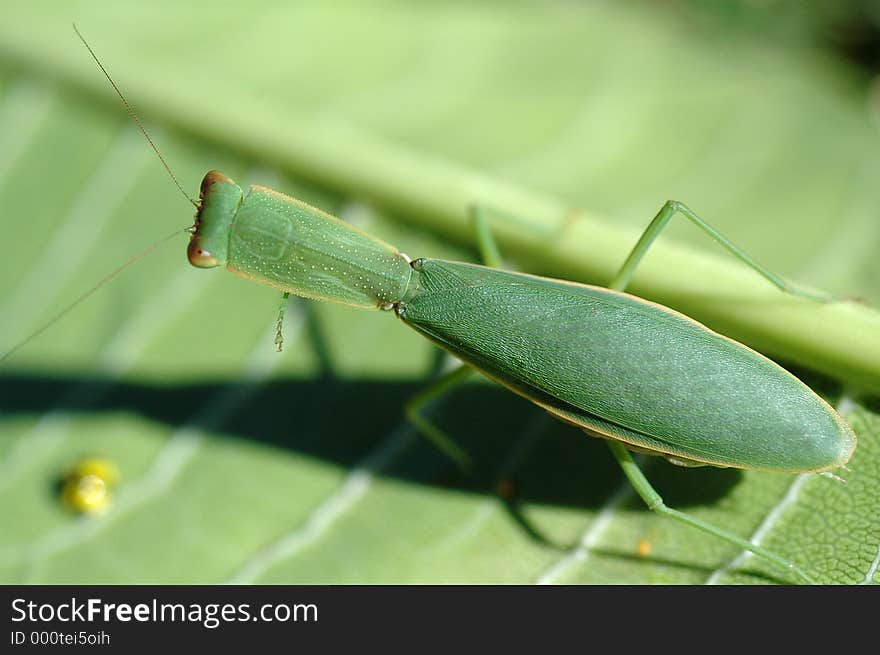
(673, 207)
(427, 428)
(415, 407)
(655, 503)
(486, 244)
(279, 335)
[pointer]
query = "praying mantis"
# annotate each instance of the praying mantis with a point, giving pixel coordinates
(268, 235)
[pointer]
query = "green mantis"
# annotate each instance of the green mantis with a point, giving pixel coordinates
(637, 374)
(633, 372)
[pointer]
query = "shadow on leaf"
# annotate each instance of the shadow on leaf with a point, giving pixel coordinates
(341, 421)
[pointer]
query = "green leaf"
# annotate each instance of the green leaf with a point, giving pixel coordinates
(241, 464)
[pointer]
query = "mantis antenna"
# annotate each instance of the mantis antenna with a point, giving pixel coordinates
(131, 262)
(134, 117)
(146, 251)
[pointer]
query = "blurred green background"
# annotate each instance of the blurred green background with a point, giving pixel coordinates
(238, 464)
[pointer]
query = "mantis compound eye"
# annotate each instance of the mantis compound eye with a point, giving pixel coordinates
(219, 199)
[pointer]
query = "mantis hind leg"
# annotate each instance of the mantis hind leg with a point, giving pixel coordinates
(661, 220)
(655, 503)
